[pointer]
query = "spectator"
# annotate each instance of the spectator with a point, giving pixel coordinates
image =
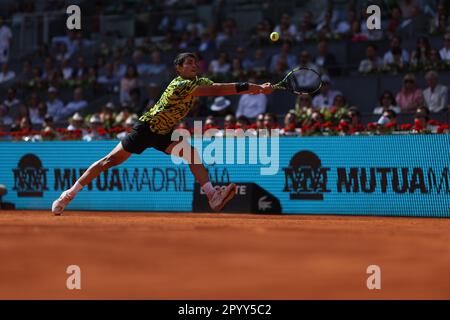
(435, 62)
(421, 55)
(306, 79)
(386, 102)
(396, 54)
(407, 7)
(395, 20)
(344, 28)
(196, 25)
(441, 12)
(154, 93)
(120, 69)
(260, 121)
(237, 72)
(5, 130)
(63, 53)
(307, 28)
(246, 62)
(32, 107)
(304, 101)
(4, 117)
(107, 115)
(5, 41)
(261, 34)
(26, 128)
(207, 44)
(109, 79)
(327, 21)
(326, 96)
(135, 102)
(340, 102)
(129, 123)
(80, 72)
(290, 126)
(228, 32)
(441, 26)
(410, 97)
(128, 82)
(355, 124)
(243, 123)
(435, 95)
(286, 53)
(76, 123)
(259, 64)
(48, 131)
(141, 67)
(229, 122)
(124, 114)
(388, 119)
(221, 106)
(326, 60)
(373, 62)
(270, 122)
(27, 71)
(78, 103)
(250, 105)
(286, 29)
(96, 132)
(421, 122)
(12, 103)
(54, 105)
(66, 69)
(156, 66)
(220, 66)
(445, 51)
(6, 74)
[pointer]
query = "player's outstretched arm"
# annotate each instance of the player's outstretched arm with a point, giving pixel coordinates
(223, 89)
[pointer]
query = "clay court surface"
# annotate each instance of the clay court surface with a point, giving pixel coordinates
(221, 256)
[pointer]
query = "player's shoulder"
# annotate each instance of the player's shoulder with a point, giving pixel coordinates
(197, 81)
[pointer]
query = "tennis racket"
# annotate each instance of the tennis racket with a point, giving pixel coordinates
(300, 81)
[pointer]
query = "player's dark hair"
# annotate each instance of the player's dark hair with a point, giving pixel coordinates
(179, 60)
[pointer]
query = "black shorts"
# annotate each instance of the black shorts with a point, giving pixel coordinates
(141, 138)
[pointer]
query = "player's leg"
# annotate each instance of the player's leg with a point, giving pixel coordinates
(114, 158)
(217, 198)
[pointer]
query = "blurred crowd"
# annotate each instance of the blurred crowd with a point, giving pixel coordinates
(36, 104)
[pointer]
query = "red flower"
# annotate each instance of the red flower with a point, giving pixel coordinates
(390, 125)
(406, 127)
(442, 127)
(372, 126)
(418, 125)
(290, 128)
(333, 109)
(343, 126)
(433, 122)
(101, 131)
(327, 124)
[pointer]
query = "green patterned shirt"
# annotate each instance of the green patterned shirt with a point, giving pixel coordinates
(174, 104)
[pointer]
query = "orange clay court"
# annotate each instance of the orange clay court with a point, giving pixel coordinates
(221, 256)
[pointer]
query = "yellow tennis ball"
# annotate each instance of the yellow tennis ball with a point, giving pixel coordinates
(274, 36)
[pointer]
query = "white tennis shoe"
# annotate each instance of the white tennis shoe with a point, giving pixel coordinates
(61, 203)
(222, 197)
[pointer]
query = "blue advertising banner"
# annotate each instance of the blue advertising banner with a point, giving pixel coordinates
(402, 175)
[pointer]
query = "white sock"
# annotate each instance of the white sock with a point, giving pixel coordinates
(75, 188)
(208, 189)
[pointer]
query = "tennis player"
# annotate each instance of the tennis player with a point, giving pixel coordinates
(154, 130)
